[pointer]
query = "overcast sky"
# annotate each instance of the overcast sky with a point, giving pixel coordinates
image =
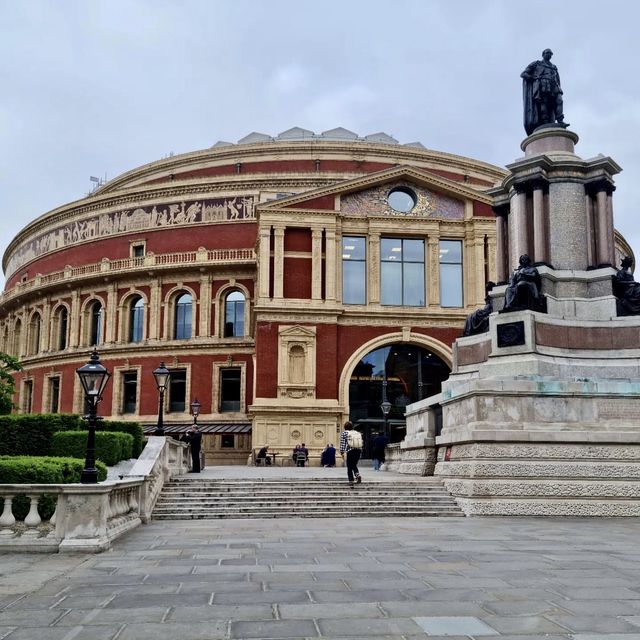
(98, 87)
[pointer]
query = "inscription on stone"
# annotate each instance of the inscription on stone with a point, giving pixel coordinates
(510, 334)
(612, 408)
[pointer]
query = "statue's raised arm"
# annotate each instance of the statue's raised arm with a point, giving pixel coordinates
(542, 94)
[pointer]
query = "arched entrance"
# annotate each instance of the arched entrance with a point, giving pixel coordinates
(400, 373)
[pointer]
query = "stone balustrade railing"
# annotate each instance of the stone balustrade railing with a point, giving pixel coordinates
(124, 265)
(89, 517)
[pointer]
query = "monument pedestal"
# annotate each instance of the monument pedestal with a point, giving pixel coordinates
(541, 415)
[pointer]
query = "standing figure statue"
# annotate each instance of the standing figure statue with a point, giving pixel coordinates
(542, 94)
(626, 290)
(524, 290)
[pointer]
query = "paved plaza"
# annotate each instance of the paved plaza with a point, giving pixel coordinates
(329, 578)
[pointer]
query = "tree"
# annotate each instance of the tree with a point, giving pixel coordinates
(8, 366)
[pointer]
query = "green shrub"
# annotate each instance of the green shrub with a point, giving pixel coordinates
(31, 434)
(134, 429)
(111, 447)
(42, 470)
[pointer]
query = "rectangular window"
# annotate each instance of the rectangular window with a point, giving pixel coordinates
(27, 398)
(402, 272)
(227, 441)
(230, 389)
(137, 251)
(451, 273)
(54, 395)
(177, 390)
(354, 270)
(129, 392)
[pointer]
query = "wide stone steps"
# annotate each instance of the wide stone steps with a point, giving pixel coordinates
(192, 498)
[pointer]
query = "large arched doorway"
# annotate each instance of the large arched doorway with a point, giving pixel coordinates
(400, 373)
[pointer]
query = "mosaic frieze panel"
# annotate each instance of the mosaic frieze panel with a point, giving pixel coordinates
(373, 202)
(128, 220)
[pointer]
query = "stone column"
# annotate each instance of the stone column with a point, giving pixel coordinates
(539, 224)
(433, 272)
(602, 227)
(264, 259)
(611, 234)
(110, 328)
(330, 264)
(204, 330)
(517, 225)
(502, 247)
(74, 320)
(316, 264)
(278, 263)
(373, 269)
(591, 234)
(154, 309)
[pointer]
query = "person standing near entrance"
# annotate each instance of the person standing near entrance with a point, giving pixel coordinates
(194, 438)
(377, 450)
(351, 446)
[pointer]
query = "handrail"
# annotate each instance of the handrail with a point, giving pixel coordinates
(150, 260)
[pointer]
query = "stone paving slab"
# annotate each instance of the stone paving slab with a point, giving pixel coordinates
(523, 578)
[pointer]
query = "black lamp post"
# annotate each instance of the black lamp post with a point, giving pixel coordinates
(385, 406)
(162, 375)
(93, 377)
(195, 410)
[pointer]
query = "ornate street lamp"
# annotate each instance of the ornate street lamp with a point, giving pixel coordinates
(162, 375)
(93, 377)
(385, 407)
(195, 410)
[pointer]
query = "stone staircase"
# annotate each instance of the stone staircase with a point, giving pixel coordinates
(186, 498)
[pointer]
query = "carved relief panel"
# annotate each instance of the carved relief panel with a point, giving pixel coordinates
(297, 361)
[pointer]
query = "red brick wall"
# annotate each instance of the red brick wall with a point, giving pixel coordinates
(297, 278)
(296, 239)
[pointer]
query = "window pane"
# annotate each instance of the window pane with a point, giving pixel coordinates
(413, 284)
(230, 389)
(451, 285)
(451, 251)
(390, 249)
(413, 250)
(177, 390)
(354, 248)
(234, 315)
(353, 282)
(391, 283)
(62, 329)
(136, 320)
(129, 392)
(54, 394)
(96, 324)
(184, 310)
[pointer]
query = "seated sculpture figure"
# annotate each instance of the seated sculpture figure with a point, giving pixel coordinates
(478, 321)
(626, 290)
(524, 288)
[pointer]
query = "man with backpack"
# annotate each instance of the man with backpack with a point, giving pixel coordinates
(351, 445)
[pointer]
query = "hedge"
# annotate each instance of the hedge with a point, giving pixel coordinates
(42, 470)
(134, 429)
(111, 447)
(31, 434)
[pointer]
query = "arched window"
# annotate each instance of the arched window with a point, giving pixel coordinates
(61, 324)
(95, 318)
(136, 319)
(35, 326)
(183, 317)
(234, 315)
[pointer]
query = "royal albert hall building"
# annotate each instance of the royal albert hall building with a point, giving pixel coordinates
(289, 283)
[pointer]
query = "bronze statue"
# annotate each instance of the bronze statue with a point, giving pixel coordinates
(524, 290)
(542, 94)
(626, 290)
(478, 321)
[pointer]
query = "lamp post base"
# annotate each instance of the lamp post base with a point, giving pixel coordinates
(89, 476)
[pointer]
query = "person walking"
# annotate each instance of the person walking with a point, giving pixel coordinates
(351, 447)
(377, 450)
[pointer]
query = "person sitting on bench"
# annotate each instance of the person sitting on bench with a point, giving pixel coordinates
(263, 455)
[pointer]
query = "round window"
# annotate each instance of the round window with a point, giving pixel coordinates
(402, 199)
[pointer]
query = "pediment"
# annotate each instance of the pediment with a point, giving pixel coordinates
(297, 331)
(334, 196)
